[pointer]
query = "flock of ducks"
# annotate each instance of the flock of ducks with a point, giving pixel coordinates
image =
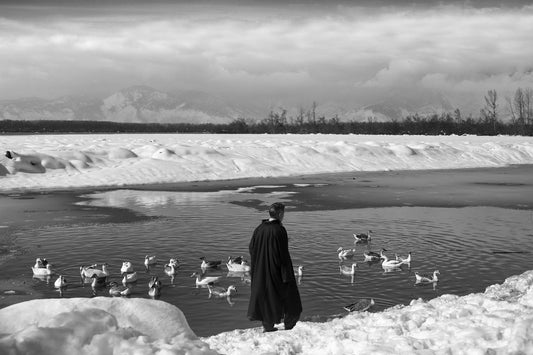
(387, 264)
(98, 276)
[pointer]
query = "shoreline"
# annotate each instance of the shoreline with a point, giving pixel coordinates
(502, 187)
(505, 187)
(213, 185)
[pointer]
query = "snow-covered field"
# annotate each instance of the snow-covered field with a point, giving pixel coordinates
(498, 321)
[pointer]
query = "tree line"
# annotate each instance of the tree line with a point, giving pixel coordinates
(489, 122)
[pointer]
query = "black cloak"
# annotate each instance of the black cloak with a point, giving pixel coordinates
(274, 293)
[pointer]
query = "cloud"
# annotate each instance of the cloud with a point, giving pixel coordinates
(320, 52)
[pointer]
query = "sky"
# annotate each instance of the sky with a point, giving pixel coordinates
(296, 52)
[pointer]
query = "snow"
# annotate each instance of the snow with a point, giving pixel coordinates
(48, 162)
(497, 321)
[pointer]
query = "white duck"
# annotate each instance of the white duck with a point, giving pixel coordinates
(170, 269)
(89, 271)
(406, 260)
(361, 305)
(118, 290)
(299, 270)
(422, 278)
(129, 277)
(205, 280)
(61, 282)
(238, 267)
(174, 261)
(394, 263)
(347, 270)
(126, 267)
(362, 237)
(43, 271)
(218, 291)
(149, 260)
(345, 253)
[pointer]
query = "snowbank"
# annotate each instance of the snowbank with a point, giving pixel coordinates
(73, 161)
(498, 321)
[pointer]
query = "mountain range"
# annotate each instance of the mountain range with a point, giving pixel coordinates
(143, 104)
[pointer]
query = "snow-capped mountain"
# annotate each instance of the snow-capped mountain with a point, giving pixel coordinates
(397, 106)
(63, 108)
(143, 104)
(135, 104)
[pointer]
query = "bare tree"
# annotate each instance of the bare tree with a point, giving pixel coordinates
(490, 111)
(521, 107)
(528, 105)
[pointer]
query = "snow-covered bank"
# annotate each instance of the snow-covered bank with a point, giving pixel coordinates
(498, 321)
(41, 162)
(97, 326)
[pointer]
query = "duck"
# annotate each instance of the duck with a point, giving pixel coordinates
(174, 261)
(362, 237)
(43, 271)
(242, 267)
(373, 256)
(218, 291)
(126, 267)
(236, 260)
(345, 253)
(422, 278)
(89, 271)
(205, 280)
(155, 289)
(60, 282)
(299, 270)
(128, 277)
(209, 264)
(406, 260)
(361, 305)
(118, 290)
(170, 269)
(40, 262)
(153, 281)
(391, 264)
(149, 260)
(347, 270)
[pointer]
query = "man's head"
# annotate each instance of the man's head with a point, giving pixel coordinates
(277, 211)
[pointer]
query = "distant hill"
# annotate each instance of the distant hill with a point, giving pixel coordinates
(143, 104)
(136, 104)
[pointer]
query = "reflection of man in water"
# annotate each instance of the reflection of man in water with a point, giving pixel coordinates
(274, 291)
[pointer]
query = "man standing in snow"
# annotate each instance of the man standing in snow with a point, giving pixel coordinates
(274, 293)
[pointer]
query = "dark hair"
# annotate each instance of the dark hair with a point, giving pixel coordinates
(276, 209)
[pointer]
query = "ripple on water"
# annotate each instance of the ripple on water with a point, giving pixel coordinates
(468, 246)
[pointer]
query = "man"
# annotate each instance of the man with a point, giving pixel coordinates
(274, 293)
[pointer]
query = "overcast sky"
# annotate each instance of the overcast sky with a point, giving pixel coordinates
(247, 50)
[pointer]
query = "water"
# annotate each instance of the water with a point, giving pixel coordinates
(472, 247)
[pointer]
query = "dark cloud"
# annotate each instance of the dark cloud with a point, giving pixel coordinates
(319, 52)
